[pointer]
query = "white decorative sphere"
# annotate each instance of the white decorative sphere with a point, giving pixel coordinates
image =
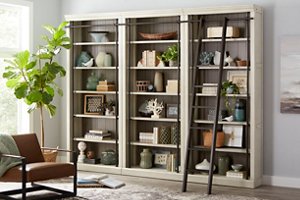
(81, 146)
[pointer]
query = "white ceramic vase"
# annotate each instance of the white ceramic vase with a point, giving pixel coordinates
(159, 82)
(107, 60)
(100, 59)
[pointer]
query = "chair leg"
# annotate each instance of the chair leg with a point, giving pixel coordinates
(24, 179)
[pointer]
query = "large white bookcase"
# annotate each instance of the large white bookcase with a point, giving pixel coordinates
(127, 47)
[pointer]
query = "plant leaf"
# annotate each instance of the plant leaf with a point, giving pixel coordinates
(34, 96)
(22, 58)
(46, 98)
(51, 109)
(21, 90)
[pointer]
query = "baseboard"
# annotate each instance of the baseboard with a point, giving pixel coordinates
(281, 181)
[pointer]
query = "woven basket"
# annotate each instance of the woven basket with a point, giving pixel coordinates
(49, 155)
(207, 138)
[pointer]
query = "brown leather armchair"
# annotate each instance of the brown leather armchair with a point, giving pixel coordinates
(34, 168)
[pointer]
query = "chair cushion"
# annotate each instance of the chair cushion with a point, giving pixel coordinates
(29, 147)
(39, 171)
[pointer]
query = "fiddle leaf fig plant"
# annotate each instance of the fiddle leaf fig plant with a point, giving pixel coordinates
(33, 76)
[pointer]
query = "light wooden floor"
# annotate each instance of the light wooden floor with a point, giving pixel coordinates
(264, 192)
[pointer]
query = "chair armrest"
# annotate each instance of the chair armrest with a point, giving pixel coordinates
(12, 156)
(63, 150)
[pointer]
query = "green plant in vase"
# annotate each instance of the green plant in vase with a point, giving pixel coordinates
(33, 76)
(170, 55)
(228, 87)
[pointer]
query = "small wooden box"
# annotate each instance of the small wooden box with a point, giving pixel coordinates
(216, 32)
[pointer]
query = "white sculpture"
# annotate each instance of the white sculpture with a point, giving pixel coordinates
(154, 107)
(81, 146)
(89, 63)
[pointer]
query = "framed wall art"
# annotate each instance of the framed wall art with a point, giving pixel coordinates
(233, 135)
(239, 78)
(93, 104)
(172, 111)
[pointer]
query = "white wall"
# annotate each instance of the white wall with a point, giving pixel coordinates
(46, 12)
(281, 131)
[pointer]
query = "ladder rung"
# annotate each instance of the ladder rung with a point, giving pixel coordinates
(206, 107)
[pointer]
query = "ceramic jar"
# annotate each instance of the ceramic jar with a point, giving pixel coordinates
(107, 60)
(158, 82)
(223, 164)
(146, 159)
(100, 59)
(109, 157)
(92, 82)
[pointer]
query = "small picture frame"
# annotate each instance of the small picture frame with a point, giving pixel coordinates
(239, 78)
(93, 104)
(233, 135)
(172, 111)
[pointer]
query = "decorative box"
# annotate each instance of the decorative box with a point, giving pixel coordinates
(216, 32)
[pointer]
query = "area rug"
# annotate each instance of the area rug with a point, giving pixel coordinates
(137, 192)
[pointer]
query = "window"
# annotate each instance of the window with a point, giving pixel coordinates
(15, 17)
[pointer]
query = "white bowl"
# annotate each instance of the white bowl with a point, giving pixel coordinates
(237, 167)
(99, 36)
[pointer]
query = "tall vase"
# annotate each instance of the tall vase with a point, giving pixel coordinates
(223, 164)
(159, 82)
(146, 159)
(107, 60)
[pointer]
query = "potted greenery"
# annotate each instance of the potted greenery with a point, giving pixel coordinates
(33, 76)
(228, 87)
(170, 55)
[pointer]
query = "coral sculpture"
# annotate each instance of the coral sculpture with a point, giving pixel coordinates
(155, 107)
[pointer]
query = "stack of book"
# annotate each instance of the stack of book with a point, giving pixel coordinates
(106, 86)
(149, 137)
(234, 174)
(98, 135)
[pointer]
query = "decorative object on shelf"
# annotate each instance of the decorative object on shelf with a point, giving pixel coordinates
(229, 118)
(99, 36)
(223, 164)
(150, 88)
(144, 112)
(237, 167)
(207, 138)
(92, 82)
(216, 31)
(239, 111)
(228, 60)
(206, 58)
(106, 86)
(89, 63)
(170, 55)
(149, 58)
(239, 174)
(107, 60)
(175, 134)
(228, 87)
(217, 58)
(204, 166)
(33, 76)
(172, 86)
(110, 108)
(146, 159)
(240, 79)
(109, 157)
(83, 57)
(209, 88)
(158, 36)
(233, 135)
(164, 135)
(160, 159)
(81, 147)
(155, 107)
(172, 111)
(159, 82)
(142, 86)
(90, 154)
(100, 59)
(241, 62)
(93, 104)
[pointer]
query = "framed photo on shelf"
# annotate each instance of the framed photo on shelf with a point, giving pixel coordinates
(239, 78)
(172, 111)
(93, 104)
(233, 135)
